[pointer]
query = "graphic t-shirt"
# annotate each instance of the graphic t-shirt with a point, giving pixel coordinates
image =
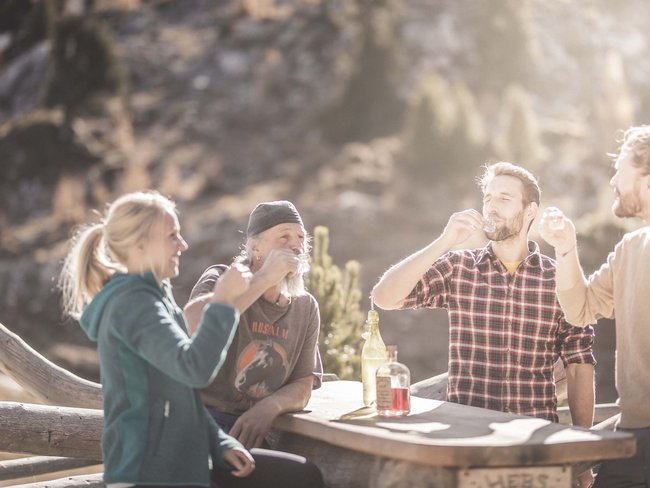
(274, 345)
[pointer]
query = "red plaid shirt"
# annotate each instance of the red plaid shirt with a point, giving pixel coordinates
(506, 332)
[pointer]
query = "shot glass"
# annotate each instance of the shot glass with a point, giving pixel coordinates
(303, 266)
(556, 222)
(489, 225)
(555, 218)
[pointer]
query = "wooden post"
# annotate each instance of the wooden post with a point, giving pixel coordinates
(42, 378)
(33, 466)
(51, 431)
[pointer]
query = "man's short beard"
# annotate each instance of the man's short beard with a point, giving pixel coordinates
(510, 229)
(627, 207)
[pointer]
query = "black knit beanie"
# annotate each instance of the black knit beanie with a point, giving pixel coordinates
(269, 214)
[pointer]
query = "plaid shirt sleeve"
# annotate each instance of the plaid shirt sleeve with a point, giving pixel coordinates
(576, 343)
(432, 291)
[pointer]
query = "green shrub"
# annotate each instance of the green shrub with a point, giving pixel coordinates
(338, 296)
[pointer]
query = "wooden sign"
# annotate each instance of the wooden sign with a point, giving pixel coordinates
(551, 477)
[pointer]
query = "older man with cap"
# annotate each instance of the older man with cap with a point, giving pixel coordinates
(273, 363)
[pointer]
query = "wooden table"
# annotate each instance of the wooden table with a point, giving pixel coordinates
(439, 444)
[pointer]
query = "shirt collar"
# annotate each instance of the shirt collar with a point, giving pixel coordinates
(533, 258)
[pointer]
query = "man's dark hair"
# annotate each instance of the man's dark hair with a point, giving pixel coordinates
(532, 192)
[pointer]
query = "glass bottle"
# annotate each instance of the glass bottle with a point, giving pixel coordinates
(373, 355)
(393, 382)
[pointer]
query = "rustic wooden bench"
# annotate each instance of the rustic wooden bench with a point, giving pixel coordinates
(439, 444)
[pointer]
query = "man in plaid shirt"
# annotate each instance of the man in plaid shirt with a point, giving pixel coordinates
(506, 326)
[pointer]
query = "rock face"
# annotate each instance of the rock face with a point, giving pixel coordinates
(228, 103)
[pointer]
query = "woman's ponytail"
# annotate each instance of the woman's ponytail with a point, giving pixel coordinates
(86, 269)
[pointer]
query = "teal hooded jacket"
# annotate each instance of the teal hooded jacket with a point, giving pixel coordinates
(156, 429)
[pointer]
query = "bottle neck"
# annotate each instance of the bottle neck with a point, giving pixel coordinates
(373, 327)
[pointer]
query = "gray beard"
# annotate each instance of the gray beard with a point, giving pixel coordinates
(293, 286)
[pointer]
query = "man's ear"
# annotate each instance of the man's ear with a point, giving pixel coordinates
(531, 211)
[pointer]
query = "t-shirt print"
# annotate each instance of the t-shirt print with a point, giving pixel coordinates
(261, 369)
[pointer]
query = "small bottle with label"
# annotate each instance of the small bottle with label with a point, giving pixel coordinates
(393, 382)
(373, 355)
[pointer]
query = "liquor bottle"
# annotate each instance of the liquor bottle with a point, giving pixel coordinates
(393, 382)
(373, 355)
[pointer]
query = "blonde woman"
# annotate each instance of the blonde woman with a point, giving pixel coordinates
(116, 281)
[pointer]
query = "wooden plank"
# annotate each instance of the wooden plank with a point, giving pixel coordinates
(33, 466)
(438, 433)
(602, 412)
(88, 481)
(51, 431)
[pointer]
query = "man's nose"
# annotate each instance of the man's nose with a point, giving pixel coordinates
(488, 209)
(295, 245)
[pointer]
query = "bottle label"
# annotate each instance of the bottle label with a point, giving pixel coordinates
(384, 393)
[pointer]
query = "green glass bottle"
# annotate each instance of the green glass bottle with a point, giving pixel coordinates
(373, 355)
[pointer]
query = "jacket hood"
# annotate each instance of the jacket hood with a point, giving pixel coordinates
(92, 314)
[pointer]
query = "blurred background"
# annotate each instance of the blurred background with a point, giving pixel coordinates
(373, 116)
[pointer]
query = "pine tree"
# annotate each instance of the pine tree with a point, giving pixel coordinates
(338, 296)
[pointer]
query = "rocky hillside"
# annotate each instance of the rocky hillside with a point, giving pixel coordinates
(373, 116)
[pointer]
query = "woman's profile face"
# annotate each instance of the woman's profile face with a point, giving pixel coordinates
(164, 247)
